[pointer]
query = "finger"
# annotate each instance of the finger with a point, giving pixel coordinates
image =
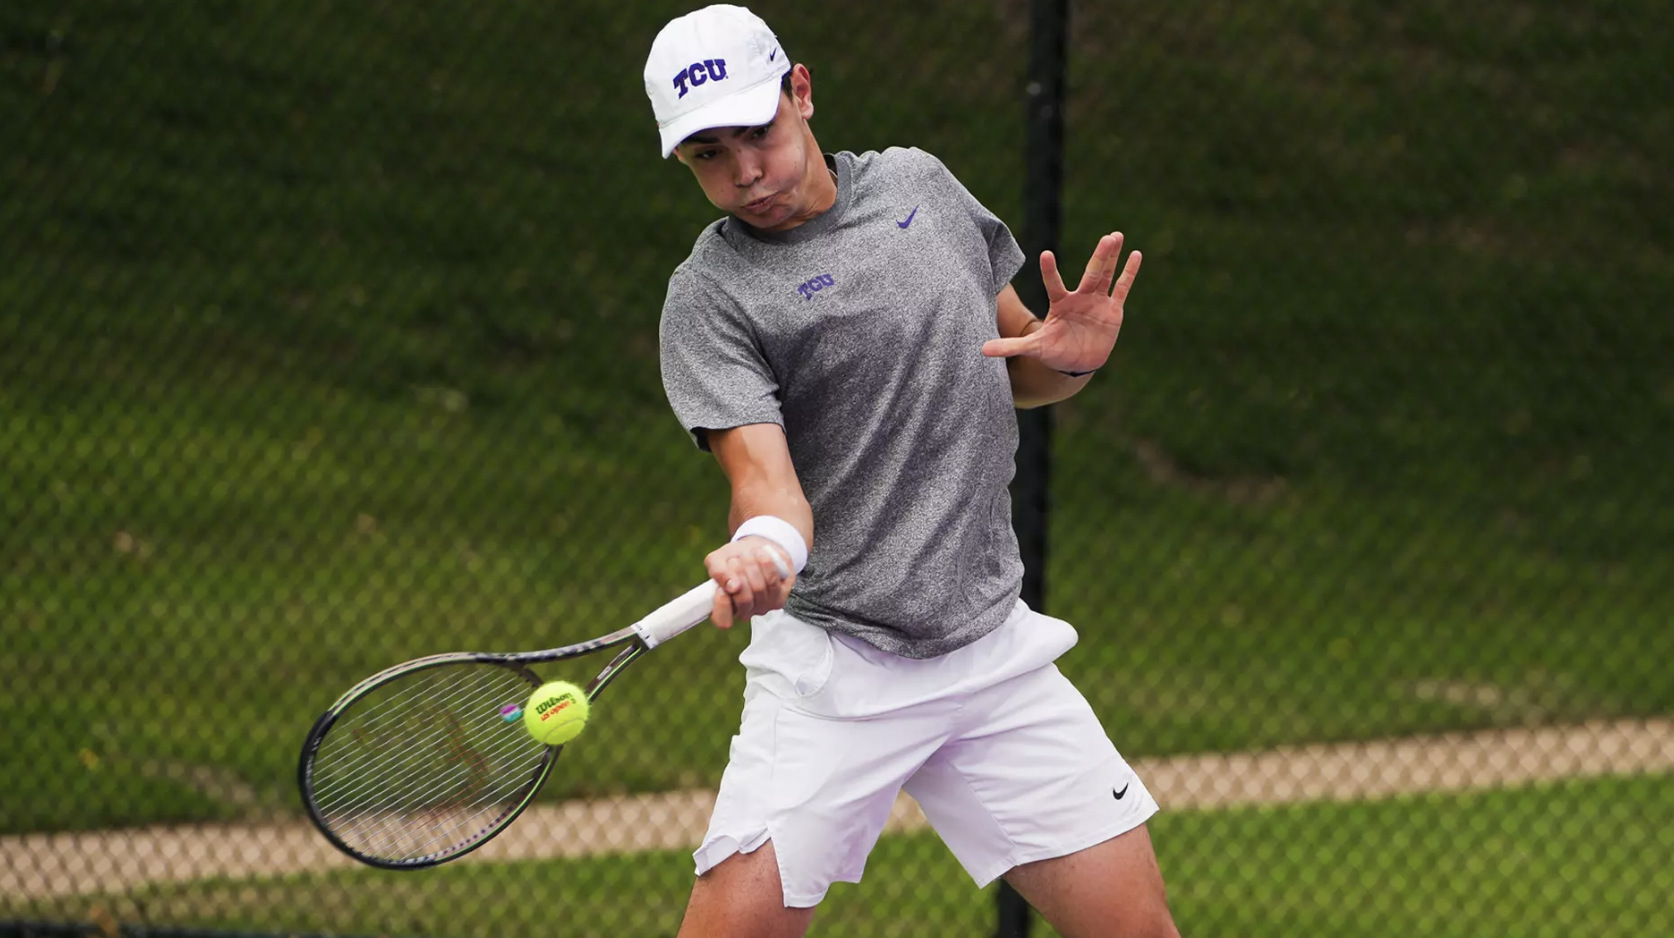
(1049, 276)
(1095, 266)
(738, 587)
(781, 566)
(776, 570)
(1008, 348)
(755, 576)
(780, 579)
(772, 559)
(782, 591)
(716, 564)
(1102, 267)
(1125, 282)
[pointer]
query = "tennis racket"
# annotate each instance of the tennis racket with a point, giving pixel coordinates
(424, 762)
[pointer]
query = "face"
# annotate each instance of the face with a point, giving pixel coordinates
(772, 176)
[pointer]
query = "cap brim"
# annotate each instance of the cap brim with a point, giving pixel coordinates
(748, 108)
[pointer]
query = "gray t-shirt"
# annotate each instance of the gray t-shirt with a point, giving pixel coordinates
(860, 333)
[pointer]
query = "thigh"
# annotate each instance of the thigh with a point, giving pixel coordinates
(1031, 775)
(742, 897)
(1110, 889)
(818, 789)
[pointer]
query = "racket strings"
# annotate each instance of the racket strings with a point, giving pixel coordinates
(372, 730)
(428, 763)
(435, 805)
(418, 798)
(419, 793)
(438, 731)
(376, 747)
(410, 840)
(368, 770)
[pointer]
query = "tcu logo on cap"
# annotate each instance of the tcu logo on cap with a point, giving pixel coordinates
(699, 72)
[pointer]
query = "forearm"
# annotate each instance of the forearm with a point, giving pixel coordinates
(1034, 384)
(755, 497)
(757, 462)
(753, 577)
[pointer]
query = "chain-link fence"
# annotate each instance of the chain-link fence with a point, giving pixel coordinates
(328, 339)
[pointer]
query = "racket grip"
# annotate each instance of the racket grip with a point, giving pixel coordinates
(677, 615)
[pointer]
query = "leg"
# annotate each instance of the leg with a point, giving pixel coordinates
(804, 796)
(1033, 790)
(1107, 890)
(742, 898)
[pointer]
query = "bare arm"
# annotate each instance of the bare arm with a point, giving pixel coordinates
(1033, 384)
(757, 463)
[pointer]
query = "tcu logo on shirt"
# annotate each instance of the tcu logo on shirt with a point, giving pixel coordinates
(815, 285)
(699, 72)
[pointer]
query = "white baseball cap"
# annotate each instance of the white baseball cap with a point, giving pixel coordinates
(717, 67)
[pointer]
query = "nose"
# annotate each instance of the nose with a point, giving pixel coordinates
(746, 170)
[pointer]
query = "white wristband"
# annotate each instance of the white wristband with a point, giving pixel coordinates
(780, 532)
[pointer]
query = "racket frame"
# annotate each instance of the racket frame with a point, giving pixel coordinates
(668, 621)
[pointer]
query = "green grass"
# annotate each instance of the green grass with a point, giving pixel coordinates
(327, 340)
(1581, 858)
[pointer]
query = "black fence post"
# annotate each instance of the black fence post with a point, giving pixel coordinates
(1042, 221)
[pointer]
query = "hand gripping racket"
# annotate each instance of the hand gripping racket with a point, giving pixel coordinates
(426, 761)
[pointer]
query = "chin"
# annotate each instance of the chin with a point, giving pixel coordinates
(773, 216)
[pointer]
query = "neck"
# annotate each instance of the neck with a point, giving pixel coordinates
(822, 193)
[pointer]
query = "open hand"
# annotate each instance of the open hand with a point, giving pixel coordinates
(1081, 327)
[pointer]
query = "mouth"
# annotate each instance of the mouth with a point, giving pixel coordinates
(760, 205)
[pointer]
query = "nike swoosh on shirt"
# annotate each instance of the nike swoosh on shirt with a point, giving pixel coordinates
(1119, 794)
(909, 220)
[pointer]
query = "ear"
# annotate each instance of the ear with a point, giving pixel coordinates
(802, 90)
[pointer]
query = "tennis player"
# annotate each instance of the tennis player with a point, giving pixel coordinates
(846, 343)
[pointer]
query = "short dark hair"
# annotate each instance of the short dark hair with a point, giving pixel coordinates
(785, 82)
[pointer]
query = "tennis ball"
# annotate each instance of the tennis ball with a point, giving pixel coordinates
(557, 713)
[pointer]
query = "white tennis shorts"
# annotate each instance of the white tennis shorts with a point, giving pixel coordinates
(1000, 750)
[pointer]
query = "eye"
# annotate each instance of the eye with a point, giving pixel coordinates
(761, 132)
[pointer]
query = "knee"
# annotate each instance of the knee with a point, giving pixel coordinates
(1146, 920)
(1161, 927)
(1151, 918)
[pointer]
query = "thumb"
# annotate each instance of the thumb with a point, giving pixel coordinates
(1007, 348)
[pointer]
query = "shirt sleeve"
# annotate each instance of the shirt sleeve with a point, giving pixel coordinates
(715, 373)
(1005, 257)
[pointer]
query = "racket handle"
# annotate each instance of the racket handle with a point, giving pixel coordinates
(677, 615)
